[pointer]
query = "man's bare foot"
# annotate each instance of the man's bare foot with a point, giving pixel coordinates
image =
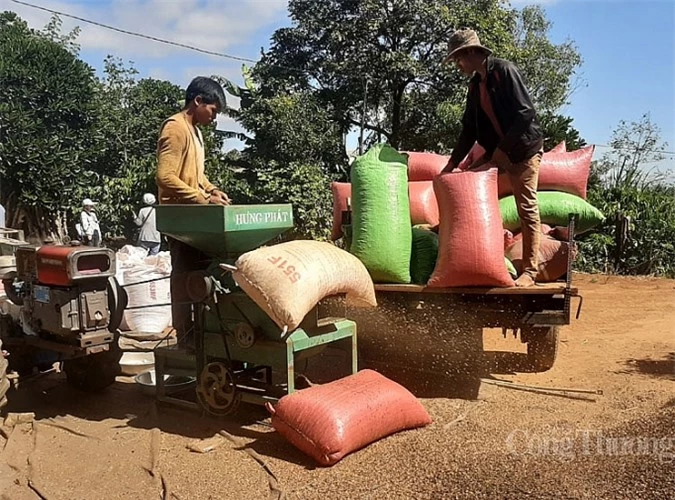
(525, 280)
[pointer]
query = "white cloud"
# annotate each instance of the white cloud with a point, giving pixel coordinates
(215, 25)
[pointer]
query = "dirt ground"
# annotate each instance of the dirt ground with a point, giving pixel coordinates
(506, 444)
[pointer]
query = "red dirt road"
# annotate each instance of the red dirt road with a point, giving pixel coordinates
(507, 444)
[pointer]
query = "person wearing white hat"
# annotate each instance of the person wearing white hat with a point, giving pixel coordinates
(91, 230)
(148, 236)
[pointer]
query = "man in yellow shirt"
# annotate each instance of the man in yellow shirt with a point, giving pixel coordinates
(181, 180)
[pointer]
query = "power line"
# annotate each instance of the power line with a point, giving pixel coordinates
(203, 51)
(632, 149)
(140, 35)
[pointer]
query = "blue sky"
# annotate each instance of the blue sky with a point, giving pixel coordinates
(628, 48)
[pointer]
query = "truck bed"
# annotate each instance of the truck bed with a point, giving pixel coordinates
(554, 288)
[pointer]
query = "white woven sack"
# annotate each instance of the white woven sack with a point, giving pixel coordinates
(289, 279)
(149, 319)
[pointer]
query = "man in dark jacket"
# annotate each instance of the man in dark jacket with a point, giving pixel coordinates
(500, 117)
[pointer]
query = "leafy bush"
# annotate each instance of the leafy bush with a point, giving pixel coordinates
(306, 187)
(638, 236)
(646, 246)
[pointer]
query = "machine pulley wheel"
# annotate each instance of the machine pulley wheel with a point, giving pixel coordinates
(216, 389)
(199, 286)
(244, 335)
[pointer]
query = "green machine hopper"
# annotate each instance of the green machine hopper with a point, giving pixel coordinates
(239, 353)
(224, 231)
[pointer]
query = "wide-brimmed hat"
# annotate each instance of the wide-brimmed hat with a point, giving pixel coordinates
(464, 39)
(88, 203)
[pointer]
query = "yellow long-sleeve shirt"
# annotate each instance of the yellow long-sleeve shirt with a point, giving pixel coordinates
(180, 163)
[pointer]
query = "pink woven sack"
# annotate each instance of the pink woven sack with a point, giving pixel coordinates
(552, 258)
(425, 166)
(471, 236)
(423, 204)
(559, 171)
(332, 420)
(341, 191)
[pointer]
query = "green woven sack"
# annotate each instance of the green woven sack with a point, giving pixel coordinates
(424, 254)
(510, 268)
(381, 229)
(554, 208)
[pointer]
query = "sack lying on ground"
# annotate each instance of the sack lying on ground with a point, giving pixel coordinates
(471, 238)
(552, 258)
(423, 204)
(554, 208)
(341, 191)
(381, 229)
(424, 254)
(332, 420)
(425, 166)
(559, 171)
(289, 279)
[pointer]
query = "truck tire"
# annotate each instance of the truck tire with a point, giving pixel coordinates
(542, 347)
(95, 372)
(4, 381)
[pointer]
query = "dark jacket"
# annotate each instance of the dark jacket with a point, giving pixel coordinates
(514, 112)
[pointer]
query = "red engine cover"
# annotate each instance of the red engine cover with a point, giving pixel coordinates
(62, 265)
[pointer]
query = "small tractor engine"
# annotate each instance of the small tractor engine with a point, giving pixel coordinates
(63, 292)
(63, 301)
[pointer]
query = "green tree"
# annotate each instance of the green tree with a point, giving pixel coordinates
(291, 156)
(388, 53)
(129, 115)
(548, 69)
(638, 236)
(558, 128)
(47, 116)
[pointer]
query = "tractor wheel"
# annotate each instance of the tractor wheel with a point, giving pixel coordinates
(542, 347)
(95, 372)
(4, 381)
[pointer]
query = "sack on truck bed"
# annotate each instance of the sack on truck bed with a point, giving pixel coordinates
(423, 204)
(471, 238)
(381, 228)
(560, 148)
(425, 166)
(554, 209)
(510, 268)
(332, 420)
(289, 279)
(341, 191)
(424, 255)
(474, 153)
(565, 171)
(552, 258)
(510, 238)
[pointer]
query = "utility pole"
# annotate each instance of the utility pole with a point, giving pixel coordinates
(363, 115)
